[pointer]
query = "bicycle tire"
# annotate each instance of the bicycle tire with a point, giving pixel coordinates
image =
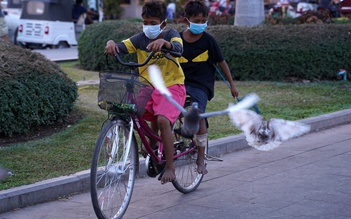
(187, 178)
(112, 182)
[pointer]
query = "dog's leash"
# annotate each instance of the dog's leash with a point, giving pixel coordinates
(254, 107)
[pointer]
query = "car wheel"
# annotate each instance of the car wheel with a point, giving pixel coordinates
(62, 45)
(15, 38)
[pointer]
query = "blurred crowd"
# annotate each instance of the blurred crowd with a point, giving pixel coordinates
(294, 8)
(217, 7)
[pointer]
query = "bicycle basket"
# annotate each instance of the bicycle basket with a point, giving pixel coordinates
(122, 92)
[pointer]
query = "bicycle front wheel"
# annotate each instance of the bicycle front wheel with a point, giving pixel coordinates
(187, 178)
(113, 170)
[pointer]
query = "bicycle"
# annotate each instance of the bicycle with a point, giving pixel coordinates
(115, 160)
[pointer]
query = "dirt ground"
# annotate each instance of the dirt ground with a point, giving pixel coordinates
(41, 131)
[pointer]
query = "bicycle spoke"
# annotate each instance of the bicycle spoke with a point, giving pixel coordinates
(113, 170)
(187, 177)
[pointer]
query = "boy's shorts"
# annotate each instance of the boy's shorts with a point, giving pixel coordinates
(199, 96)
(159, 105)
(3, 27)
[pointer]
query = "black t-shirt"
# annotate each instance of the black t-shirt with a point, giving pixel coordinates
(324, 3)
(197, 63)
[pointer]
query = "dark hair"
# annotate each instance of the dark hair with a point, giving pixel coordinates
(78, 2)
(154, 9)
(195, 7)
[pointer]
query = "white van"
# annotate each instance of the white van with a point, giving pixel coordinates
(47, 23)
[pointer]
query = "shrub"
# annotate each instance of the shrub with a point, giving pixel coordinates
(277, 53)
(33, 90)
(270, 52)
(91, 43)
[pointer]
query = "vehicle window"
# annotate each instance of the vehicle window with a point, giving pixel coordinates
(16, 2)
(35, 8)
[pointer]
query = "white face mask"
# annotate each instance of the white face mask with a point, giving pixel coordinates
(197, 28)
(152, 31)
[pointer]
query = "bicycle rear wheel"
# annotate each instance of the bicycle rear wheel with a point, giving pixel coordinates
(113, 170)
(187, 178)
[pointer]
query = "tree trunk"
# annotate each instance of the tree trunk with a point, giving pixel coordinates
(249, 12)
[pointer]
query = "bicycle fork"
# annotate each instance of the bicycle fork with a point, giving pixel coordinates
(120, 167)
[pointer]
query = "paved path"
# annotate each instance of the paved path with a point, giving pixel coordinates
(306, 177)
(57, 55)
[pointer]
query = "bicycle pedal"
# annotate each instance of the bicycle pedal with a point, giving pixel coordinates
(154, 170)
(151, 172)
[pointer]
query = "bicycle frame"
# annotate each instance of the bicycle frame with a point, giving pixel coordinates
(141, 126)
(144, 131)
(115, 160)
(138, 124)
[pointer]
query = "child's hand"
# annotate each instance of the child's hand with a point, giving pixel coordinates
(156, 45)
(111, 48)
(234, 91)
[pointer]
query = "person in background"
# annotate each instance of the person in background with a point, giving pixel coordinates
(101, 10)
(201, 53)
(158, 110)
(224, 6)
(171, 9)
(3, 26)
(330, 5)
(78, 9)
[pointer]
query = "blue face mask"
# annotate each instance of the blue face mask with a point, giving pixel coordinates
(197, 28)
(152, 31)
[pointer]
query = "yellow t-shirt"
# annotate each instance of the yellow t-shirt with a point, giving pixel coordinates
(137, 44)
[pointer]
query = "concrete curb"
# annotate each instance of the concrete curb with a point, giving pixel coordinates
(52, 189)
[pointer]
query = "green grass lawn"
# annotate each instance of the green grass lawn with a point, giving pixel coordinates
(71, 150)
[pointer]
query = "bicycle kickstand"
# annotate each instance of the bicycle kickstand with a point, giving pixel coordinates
(212, 158)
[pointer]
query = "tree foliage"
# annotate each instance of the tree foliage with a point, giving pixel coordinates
(112, 9)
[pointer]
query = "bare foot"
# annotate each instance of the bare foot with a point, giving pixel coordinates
(201, 168)
(168, 176)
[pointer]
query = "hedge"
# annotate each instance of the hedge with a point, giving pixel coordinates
(33, 91)
(266, 53)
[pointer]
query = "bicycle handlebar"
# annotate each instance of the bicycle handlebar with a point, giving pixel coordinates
(165, 51)
(173, 53)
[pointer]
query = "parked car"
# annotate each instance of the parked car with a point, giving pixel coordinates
(345, 8)
(12, 9)
(47, 23)
(3, 4)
